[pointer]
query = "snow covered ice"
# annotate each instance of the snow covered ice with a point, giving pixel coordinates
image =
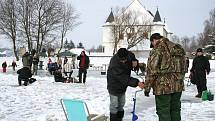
(40, 101)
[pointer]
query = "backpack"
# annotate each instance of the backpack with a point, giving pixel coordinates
(177, 59)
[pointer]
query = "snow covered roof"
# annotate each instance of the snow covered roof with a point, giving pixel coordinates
(137, 8)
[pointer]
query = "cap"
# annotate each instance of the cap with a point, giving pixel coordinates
(199, 50)
(154, 36)
(122, 53)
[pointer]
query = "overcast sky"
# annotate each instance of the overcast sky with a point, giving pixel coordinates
(184, 17)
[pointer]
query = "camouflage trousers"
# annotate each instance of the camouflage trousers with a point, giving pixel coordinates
(168, 106)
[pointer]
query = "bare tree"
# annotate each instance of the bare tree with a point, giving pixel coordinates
(46, 20)
(25, 10)
(208, 35)
(185, 42)
(8, 22)
(36, 23)
(175, 39)
(127, 27)
(193, 44)
(68, 22)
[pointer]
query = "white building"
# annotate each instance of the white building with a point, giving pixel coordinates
(144, 18)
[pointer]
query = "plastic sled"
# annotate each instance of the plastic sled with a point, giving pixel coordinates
(77, 110)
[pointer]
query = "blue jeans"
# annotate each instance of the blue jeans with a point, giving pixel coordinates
(117, 103)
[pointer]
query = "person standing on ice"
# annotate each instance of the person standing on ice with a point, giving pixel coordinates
(26, 60)
(59, 61)
(200, 68)
(164, 77)
(4, 66)
(187, 64)
(14, 65)
(35, 63)
(65, 60)
(83, 66)
(118, 79)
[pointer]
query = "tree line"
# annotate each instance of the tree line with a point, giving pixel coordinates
(36, 24)
(207, 37)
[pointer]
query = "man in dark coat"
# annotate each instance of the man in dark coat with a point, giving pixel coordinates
(200, 68)
(24, 75)
(14, 65)
(118, 79)
(83, 66)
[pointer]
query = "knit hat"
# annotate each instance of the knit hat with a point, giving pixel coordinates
(122, 53)
(199, 50)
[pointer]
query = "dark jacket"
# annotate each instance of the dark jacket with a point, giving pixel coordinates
(24, 73)
(200, 67)
(58, 76)
(86, 63)
(118, 76)
(14, 64)
(4, 65)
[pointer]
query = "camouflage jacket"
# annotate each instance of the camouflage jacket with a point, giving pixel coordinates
(159, 75)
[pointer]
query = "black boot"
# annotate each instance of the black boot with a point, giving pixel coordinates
(120, 115)
(25, 83)
(113, 117)
(20, 82)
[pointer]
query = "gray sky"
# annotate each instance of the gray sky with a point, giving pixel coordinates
(184, 17)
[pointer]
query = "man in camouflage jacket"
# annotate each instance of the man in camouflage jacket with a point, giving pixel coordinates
(167, 85)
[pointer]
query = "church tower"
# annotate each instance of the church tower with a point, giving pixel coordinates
(158, 25)
(108, 36)
(144, 18)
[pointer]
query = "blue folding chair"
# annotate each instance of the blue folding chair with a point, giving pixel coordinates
(77, 110)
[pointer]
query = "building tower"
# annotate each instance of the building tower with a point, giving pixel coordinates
(144, 18)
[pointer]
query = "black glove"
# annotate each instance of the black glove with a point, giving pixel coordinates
(146, 93)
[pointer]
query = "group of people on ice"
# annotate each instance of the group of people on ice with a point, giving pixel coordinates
(63, 71)
(165, 73)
